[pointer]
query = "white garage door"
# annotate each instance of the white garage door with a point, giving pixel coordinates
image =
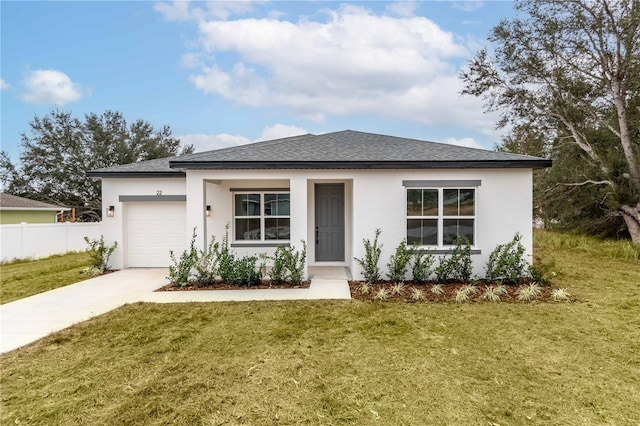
(152, 230)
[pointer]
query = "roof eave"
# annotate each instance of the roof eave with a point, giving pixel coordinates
(486, 164)
(174, 174)
(36, 209)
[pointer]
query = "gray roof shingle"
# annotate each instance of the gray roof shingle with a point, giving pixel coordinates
(344, 149)
(15, 202)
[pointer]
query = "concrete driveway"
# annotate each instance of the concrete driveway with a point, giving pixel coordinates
(29, 319)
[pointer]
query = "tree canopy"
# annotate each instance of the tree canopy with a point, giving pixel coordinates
(565, 77)
(59, 149)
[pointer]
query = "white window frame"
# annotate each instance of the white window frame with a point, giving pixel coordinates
(262, 217)
(441, 217)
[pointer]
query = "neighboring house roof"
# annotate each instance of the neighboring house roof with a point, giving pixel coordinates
(13, 202)
(345, 149)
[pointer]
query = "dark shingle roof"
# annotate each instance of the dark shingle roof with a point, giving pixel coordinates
(15, 202)
(345, 149)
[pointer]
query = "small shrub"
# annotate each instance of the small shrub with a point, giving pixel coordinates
(381, 294)
(459, 265)
(493, 293)
(364, 288)
(278, 272)
(560, 294)
(369, 264)
(295, 263)
(527, 293)
(181, 270)
(288, 265)
(397, 289)
(421, 264)
(437, 289)
(464, 293)
(461, 296)
(506, 262)
(208, 263)
(399, 262)
(417, 294)
(99, 254)
(244, 271)
(226, 257)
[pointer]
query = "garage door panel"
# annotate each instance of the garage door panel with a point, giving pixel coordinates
(153, 230)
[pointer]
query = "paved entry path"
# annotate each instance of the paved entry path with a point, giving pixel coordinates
(27, 320)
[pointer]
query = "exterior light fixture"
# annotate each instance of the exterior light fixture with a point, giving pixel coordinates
(111, 211)
(208, 210)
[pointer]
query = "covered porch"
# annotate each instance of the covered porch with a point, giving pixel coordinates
(261, 210)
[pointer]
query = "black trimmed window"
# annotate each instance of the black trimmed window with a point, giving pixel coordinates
(261, 216)
(437, 216)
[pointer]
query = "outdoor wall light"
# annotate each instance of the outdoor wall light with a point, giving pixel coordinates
(111, 211)
(208, 210)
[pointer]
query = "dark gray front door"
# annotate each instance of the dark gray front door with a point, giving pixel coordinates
(329, 221)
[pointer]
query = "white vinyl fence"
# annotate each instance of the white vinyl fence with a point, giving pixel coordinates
(34, 240)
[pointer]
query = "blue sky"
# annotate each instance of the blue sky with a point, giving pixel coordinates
(228, 73)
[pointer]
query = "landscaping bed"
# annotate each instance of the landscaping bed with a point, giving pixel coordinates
(227, 286)
(412, 292)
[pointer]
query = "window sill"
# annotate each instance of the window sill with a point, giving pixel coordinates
(444, 250)
(261, 244)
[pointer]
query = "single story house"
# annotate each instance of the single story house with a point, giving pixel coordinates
(14, 209)
(331, 190)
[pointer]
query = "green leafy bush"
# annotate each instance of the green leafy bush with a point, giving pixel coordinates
(182, 269)
(459, 265)
(244, 271)
(399, 262)
(506, 262)
(99, 254)
(208, 263)
(421, 264)
(288, 265)
(278, 272)
(369, 264)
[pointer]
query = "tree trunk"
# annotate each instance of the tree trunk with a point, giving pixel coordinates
(631, 217)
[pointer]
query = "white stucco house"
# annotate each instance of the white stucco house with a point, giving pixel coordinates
(331, 190)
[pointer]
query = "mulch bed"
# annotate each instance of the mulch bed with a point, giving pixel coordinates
(226, 286)
(450, 290)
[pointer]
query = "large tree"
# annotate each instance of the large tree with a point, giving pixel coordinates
(565, 76)
(59, 149)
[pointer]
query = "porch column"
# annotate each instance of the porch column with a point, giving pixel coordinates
(299, 215)
(196, 209)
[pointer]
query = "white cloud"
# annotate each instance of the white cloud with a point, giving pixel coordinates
(466, 142)
(468, 6)
(204, 142)
(402, 8)
(50, 87)
(4, 85)
(278, 131)
(351, 63)
(182, 10)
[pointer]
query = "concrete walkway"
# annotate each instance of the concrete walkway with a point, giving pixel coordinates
(29, 319)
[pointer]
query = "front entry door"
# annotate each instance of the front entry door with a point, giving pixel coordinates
(329, 198)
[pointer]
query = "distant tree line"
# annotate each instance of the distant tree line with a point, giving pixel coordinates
(58, 149)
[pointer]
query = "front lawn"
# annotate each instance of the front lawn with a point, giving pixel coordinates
(25, 278)
(347, 362)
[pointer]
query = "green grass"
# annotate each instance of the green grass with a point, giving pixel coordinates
(23, 278)
(347, 362)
